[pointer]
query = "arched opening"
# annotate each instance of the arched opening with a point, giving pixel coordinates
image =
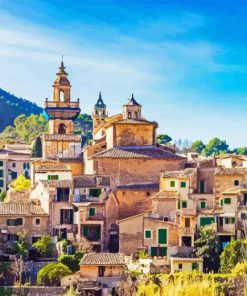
(62, 128)
(61, 96)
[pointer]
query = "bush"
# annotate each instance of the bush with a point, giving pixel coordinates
(51, 274)
(71, 261)
(44, 245)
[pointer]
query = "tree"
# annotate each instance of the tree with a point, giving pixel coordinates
(206, 246)
(51, 274)
(20, 248)
(241, 150)
(72, 261)
(163, 139)
(198, 146)
(21, 183)
(230, 256)
(44, 245)
(37, 148)
(217, 146)
(3, 195)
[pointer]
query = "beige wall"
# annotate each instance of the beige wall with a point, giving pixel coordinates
(89, 271)
(131, 234)
(186, 265)
(134, 135)
(135, 170)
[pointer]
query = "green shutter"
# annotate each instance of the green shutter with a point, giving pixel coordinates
(206, 221)
(202, 186)
(163, 251)
(92, 211)
(162, 236)
(184, 204)
(153, 251)
(227, 201)
(49, 177)
(56, 177)
(147, 233)
(1, 163)
(183, 184)
(227, 220)
(222, 202)
(85, 231)
(178, 204)
(172, 183)
(203, 204)
(195, 266)
(233, 220)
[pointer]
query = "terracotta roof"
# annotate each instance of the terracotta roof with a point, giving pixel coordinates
(57, 183)
(137, 152)
(180, 174)
(166, 194)
(52, 167)
(103, 259)
(136, 121)
(91, 181)
(144, 186)
(62, 137)
(21, 208)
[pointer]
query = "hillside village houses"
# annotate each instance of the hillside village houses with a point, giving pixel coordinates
(123, 192)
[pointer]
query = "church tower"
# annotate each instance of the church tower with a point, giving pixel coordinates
(61, 142)
(100, 112)
(132, 110)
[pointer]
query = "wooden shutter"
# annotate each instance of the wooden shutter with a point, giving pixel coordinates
(85, 231)
(71, 216)
(162, 236)
(61, 216)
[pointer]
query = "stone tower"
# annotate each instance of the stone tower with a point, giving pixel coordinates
(61, 142)
(100, 112)
(132, 110)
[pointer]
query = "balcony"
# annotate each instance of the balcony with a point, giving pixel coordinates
(85, 198)
(52, 104)
(186, 231)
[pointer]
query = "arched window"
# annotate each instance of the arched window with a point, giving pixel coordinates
(61, 96)
(62, 128)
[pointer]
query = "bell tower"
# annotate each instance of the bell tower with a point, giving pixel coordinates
(61, 113)
(100, 112)
(132, 110)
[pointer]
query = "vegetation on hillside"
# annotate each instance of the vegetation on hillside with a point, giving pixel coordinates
(21, 183)
(12, 106)
(26, 129)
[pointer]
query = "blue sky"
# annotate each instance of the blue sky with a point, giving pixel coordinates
(185, 61)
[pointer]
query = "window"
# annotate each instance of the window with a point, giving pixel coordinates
(1, 173)
(202, 204)
(195, 266)
(13, 175)
(129, 115)
(26, 174)
(229, 220)
(35, 239)
(172, 183)
(206, 221)
(148, 233)
(184, 204)
(236, 182)
(1, 163)
(94, 192)
(62, 129)
(66, 216)
(92, 211)
(1, 183)
(62, 194)
(227, 201)
(147, 193)
(37, 221)
(178, 204)
(13, 165)
(14, 222)
(243, 216)
(187, 222)
(53, 177)
(202, 186)
(180, 266)
(245, 199)
(183, 184)
(162, 236)
(222, 202)
(158, 251)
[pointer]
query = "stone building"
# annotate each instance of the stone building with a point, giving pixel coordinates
(61, 141)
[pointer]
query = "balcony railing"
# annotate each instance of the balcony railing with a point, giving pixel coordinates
(52, 104)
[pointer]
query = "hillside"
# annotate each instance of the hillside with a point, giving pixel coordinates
(13, 107)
